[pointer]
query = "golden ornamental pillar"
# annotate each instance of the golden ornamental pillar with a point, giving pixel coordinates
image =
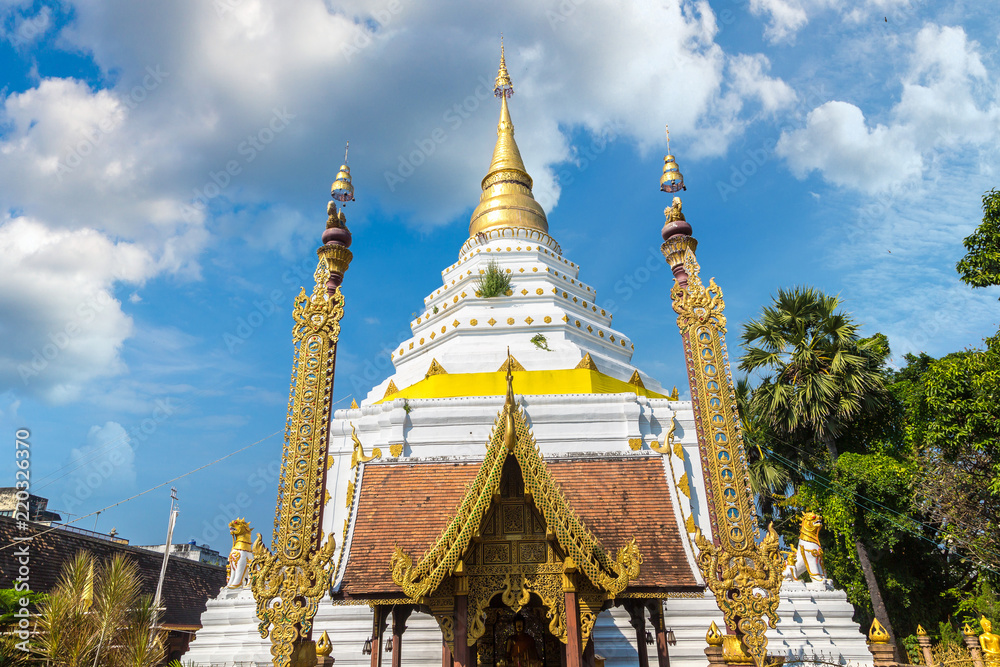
(744, 576)
(289, 579)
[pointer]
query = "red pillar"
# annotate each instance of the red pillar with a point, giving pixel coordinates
(574, 641)
(446, 659)
(377, 626)
(399, 616)
(638, 619)
(461, 654)
(662, 652)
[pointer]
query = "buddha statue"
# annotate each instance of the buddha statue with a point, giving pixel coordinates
(990, 643)
(521, 649)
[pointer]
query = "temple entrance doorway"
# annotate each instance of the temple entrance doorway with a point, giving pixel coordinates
(518, 639)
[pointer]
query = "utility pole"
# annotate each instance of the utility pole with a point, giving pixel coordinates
(174, 511)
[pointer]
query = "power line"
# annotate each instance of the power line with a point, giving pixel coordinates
(154, 488)
(829, 484)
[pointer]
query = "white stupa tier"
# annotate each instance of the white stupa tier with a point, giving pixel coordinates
(469, 334)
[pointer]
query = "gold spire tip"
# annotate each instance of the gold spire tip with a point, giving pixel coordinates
(502, 87)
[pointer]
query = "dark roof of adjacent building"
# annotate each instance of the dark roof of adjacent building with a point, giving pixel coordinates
(618, 498)
(187, 585)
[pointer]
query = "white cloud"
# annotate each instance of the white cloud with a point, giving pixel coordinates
(786, 17)
(104, 466)
(837, 141)
(245, 104)
(63, 324)
(946, 102)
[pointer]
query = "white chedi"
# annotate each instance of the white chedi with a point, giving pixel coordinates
(241, 554)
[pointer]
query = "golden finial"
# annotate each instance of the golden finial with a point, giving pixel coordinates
(713, 637)
(354, 404)
(672, 180)
(510, 435)
(920, 631)
(342, 189)
(968, 631)
(877, 633)
(502, 87)
(323, 646)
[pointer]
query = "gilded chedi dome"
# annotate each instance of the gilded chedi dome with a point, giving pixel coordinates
(506, 200)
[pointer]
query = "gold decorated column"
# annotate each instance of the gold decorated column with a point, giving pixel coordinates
(289, 580)
(744, 576)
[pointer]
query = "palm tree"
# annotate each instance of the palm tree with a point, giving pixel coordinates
(769, 479)
(97, 615)
(818, 379)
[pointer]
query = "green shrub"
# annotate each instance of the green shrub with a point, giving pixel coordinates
(493, 282)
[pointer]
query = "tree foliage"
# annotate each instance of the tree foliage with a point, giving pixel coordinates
(981, 265)
(822, 387)
(818, 375)
(97, 614)
(953, 428)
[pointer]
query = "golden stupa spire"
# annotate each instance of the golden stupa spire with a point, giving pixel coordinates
(506, 200)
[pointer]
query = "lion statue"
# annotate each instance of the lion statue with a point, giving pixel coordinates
(240, 556)
(808, 555)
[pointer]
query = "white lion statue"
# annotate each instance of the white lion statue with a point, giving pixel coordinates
(240, 556)
(808, 555)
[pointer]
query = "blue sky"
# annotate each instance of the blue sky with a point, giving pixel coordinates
(145, 292)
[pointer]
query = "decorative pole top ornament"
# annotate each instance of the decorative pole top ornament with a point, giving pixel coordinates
(342, 189)
(672, 179)
(713, 636)
(337, 237)
(502, 87)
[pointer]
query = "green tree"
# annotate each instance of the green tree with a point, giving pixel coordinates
(770, 480)
(819, 381)
(953, 426)
(10, 604)
(97, 614)
(981, 265)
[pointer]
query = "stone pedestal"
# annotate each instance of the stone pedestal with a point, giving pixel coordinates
(714, 655)
(883, 655)
(972, 643)
(925, 649)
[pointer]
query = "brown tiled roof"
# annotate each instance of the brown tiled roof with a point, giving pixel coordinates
(617, 497)
(186, 587)
(404, 504)
(622, 498)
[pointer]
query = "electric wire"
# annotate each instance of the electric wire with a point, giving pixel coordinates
(154, 488)
(850, 496)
